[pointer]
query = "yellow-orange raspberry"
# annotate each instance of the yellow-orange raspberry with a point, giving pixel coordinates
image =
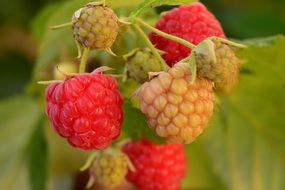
(174, 107)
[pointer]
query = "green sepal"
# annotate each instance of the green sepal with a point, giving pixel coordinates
(207, 48)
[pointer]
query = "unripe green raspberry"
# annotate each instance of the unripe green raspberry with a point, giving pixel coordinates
(174, 107)
(95, 26)
(223, 70)
(140, 62)
(109, 169)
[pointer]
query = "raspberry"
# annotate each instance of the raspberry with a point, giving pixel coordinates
(175, 108)
(95, 26)
(140, 62)
(223, 71)
(108, 170)
(193, 23)
(86, 109)
(157, 167)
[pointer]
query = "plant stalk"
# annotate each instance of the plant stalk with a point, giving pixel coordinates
(83, 61)
(151, 47)
(165, 35)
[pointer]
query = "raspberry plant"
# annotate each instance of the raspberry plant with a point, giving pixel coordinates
(154, 100)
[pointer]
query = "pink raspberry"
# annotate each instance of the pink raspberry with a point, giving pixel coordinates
(86, 109)
(193, 23)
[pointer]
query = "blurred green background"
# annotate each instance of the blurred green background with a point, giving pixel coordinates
(244, 150)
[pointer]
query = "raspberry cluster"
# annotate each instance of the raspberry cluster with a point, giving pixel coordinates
(86, 109)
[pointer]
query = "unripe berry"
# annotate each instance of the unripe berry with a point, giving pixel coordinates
(174, 107)
(140, 62)
(109, 169)
(223, 69)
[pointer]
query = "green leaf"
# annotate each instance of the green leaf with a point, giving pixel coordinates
(135, 125)
(64, 159)
(200, 173)
(246, 141)
(147, 4)
(38, 159)
(19, 117)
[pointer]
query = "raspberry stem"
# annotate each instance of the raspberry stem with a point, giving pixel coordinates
(231, 43)
(83, 61)
(167, 36)
(151, 46)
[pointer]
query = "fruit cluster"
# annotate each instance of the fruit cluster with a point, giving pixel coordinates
(177, 99)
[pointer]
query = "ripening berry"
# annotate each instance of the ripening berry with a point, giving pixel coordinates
(174, 107)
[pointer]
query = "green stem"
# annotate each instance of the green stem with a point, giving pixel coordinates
(151, 46)
(165, 35)
(232, 43)
(61, 26)
(78, 50)
(83, 61)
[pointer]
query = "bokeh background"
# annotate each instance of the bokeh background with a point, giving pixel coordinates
(21, 35)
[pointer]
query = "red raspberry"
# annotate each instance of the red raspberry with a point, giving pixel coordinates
(86, 109)
(157, 167)
(193, 23)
